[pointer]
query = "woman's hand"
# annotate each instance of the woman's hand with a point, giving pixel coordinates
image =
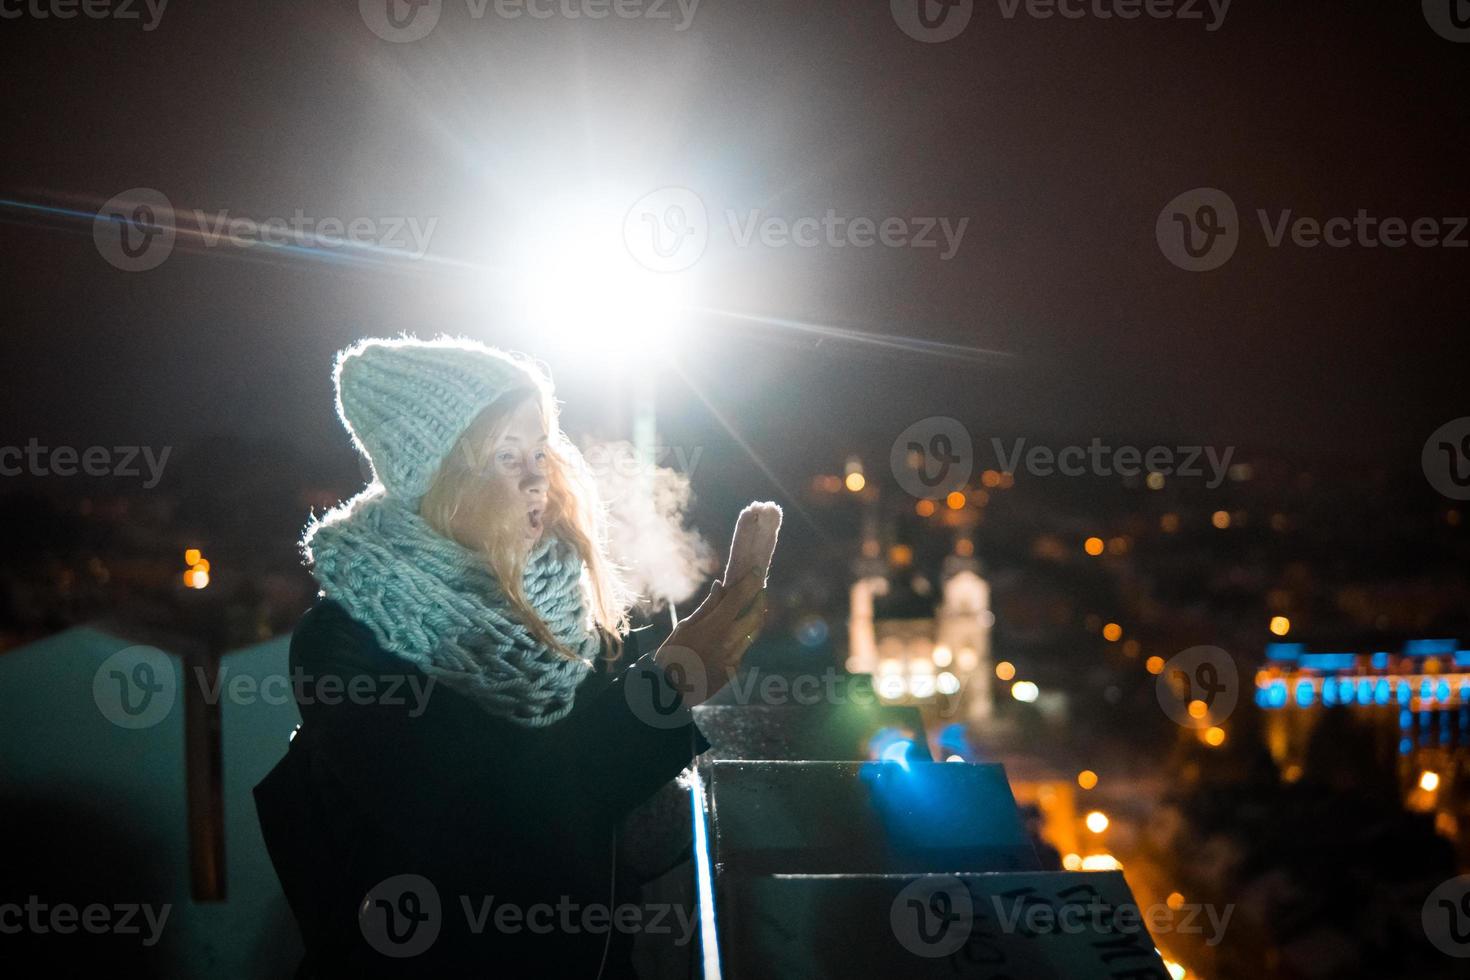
(704, 650)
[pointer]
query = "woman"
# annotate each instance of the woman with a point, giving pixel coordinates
(468, 741)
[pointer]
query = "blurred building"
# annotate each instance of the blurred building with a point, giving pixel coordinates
(922, 645)
(1413, 706)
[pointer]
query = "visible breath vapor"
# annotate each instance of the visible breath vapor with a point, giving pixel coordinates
(663, 560)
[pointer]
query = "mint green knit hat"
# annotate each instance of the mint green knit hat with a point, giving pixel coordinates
(406, 401)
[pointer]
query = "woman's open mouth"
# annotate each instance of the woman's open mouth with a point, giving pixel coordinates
(533, 519)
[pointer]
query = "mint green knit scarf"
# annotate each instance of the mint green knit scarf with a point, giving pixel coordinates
(434, 603)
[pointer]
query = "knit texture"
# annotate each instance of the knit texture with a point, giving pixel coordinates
(407, 401)
(435, 603)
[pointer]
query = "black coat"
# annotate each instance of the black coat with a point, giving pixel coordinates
(381, 783)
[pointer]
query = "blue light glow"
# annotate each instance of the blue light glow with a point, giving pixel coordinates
(1380, 661)
(898, 752)
(811, 631)
(1329, 661)
(704, 881)
(952, 741)
(1284, 651)
(1306, 693)
(893, 745)
(1429, 648)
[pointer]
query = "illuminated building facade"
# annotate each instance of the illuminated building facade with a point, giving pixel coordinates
(1416, 702)
(921, 648)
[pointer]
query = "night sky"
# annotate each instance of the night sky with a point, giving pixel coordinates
(1060, 140)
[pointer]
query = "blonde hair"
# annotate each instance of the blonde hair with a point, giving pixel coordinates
(494, 529)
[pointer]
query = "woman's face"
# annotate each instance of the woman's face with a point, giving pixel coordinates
(518, 468)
